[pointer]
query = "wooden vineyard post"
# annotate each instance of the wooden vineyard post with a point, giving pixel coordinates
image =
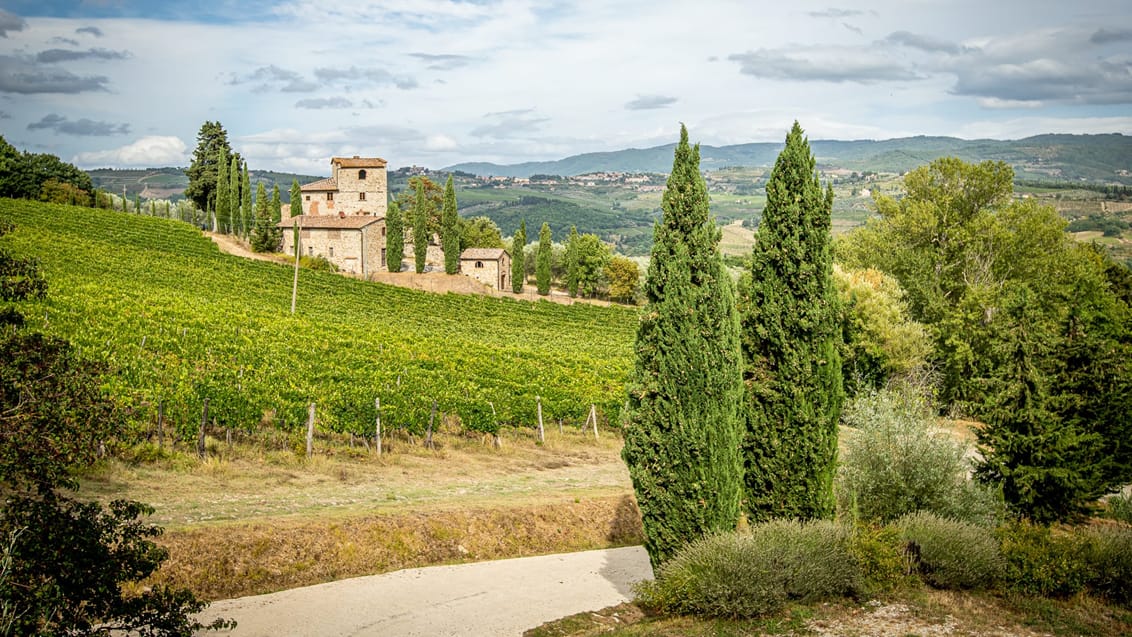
(431, 417)
(377, 425)
(160, 424)
(541, 433)
(593, 415)
(498, 441)
(310, 431)
(200, 432)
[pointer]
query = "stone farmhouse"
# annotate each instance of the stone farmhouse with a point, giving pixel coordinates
(343, 221)
(490, 266)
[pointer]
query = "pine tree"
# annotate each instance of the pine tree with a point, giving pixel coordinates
(518, 258)
(246, 200)
(296, 198)
(449, 230)
(542, 260)
(683, 415)
(223, 202)
(793, 373)
(394, 237)
(202, 173)
(572, 262)
(422, 210)
(235, 210)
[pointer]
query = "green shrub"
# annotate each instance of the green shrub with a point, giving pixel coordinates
(1119, 507)
(878, 551)
(1042, 562)
(951, 554)
(1110, 562)
(317, 263)
(747, 574)
(897, 462)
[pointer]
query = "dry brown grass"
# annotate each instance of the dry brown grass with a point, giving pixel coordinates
(257, 516)
(247, 558)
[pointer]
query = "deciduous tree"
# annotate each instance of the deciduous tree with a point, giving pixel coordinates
(790, 346)
(624, 278)
(682, 419)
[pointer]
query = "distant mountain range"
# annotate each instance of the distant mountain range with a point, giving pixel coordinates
(1100, 158)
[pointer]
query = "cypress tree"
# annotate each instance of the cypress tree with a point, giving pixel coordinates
(296, 198)
(394, 237)
(449, 230)
(223, 214)
(265, 237)
(793, 373)
(276, 204)
(542, 260)
(235, 211)
(421, 213)
(683, 414)
(572, 262)
(246, 200)
(518, 258)
(137, 204)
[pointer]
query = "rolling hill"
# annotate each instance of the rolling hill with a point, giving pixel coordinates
(1102, 158)
(178, 322)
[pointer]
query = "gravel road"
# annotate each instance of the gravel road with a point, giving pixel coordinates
(503, 597)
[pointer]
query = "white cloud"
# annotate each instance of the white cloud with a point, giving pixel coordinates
(151, 151)
(440, 143)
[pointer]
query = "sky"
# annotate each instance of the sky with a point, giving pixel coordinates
(126, 83)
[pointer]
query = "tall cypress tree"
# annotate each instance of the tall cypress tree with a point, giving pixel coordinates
(449, 230)
(572, 262)
(542, 260)
(394, 237)
(296, 198)
(234, 199)
(793, 372)
(246, 200)
(276, 204)
(223, 214)
(518, 258)
(265, 237)
(422, 210)
(683, 419)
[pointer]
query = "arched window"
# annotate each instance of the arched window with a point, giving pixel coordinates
(361, 174)
(479, 264)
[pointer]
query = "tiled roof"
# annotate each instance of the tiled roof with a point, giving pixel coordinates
(322, 184)
(483, 254)
(359, 162)
(331, 221)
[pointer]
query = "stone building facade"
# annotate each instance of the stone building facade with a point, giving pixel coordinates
(356, 186)
(490, 266)
(354, 243)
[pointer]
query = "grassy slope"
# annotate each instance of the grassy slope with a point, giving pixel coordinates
(219, 326)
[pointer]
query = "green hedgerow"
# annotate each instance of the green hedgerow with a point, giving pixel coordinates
(951, 554)
(747, 574)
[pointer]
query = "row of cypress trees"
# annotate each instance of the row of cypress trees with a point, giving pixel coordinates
(733, 401)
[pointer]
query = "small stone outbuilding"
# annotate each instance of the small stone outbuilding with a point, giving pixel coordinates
(490, 266)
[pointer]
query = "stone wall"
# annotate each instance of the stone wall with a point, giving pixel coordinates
(341, 246)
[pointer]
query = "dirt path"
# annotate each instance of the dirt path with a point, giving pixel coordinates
(436, 282)
(503, 597)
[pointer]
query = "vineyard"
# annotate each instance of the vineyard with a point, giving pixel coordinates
(177, 323)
